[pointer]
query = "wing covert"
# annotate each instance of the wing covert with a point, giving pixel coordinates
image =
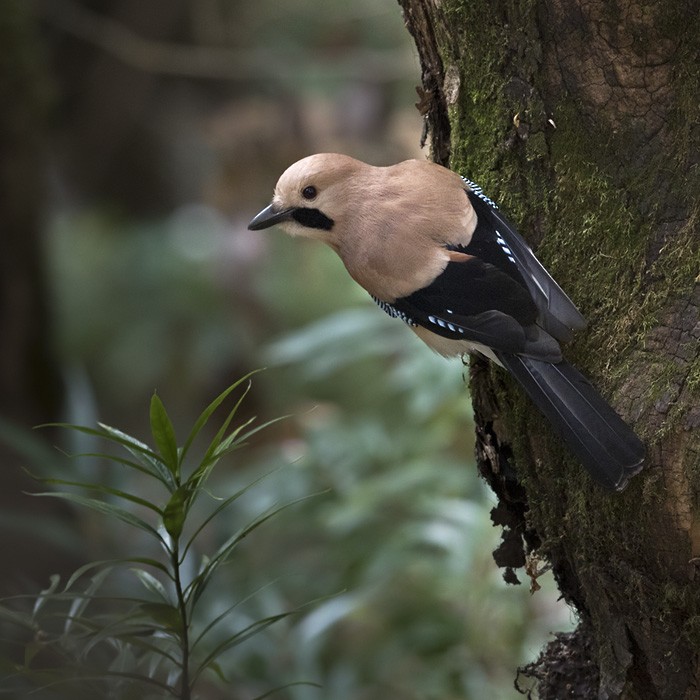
(559, 315)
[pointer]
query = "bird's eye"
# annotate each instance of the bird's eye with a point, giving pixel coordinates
(309, 192)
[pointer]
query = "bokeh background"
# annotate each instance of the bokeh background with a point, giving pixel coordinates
(142, 138)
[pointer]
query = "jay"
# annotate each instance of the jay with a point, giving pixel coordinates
(434, 251)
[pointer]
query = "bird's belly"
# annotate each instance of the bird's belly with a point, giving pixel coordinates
(449, 347)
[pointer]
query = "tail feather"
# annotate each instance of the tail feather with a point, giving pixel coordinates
(601, 440)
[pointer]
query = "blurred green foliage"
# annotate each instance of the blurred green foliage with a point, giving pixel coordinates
(131, 625)
(186, 300)
(401, 539)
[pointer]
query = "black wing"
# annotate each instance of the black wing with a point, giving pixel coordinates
(476, 301)
(496, 240)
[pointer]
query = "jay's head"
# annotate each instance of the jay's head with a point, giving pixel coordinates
(363, 211)
(312, 195)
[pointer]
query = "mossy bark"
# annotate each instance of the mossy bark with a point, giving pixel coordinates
(581, 119)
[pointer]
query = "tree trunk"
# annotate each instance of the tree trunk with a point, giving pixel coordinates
(581, 120)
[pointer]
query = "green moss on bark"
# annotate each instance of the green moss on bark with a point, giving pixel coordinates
(559, 176)
(580, 119)
(612, 208)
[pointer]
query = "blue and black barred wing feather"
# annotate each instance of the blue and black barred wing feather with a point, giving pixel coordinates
(495, 238)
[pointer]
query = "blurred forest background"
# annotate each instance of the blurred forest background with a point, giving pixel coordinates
(138, 139)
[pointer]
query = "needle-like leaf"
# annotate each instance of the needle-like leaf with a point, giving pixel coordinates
(104, 508)
(100, 488)
(209, 410)
(164, 435)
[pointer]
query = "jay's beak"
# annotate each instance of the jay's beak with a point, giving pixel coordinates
(269, 216)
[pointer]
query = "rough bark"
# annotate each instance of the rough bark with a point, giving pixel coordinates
(580, 117)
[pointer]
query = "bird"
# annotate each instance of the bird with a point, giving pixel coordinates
(434, 251)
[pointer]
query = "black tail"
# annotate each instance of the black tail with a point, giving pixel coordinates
(601, 440)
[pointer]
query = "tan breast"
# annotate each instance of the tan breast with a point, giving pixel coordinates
(392, 234)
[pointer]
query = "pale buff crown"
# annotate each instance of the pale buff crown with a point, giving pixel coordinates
(391, 224)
